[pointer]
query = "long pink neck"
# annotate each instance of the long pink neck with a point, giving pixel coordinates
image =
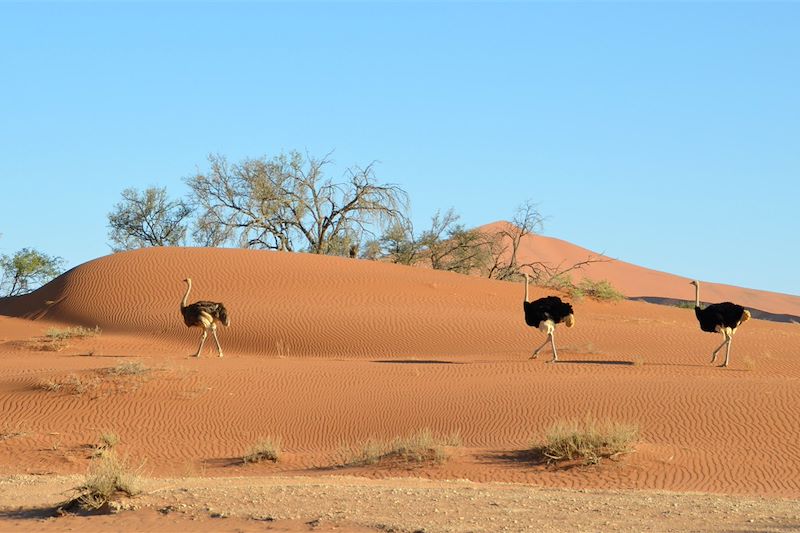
(186, 296)
(526, 287)
(697, 295)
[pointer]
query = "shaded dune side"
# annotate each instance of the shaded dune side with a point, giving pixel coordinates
(287, 304)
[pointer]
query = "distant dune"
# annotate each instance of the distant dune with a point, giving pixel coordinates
(639, 282)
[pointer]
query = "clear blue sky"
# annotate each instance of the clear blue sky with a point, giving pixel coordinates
(664, 134)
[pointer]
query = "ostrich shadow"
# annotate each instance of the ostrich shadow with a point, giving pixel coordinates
(602, 362)
(415, 362)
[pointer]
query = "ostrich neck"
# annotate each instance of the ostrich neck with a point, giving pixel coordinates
(697, 295)
(526, 289)
(186, 296)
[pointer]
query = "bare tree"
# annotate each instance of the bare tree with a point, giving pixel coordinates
(148, 218)
(505, 243)
(287, 203)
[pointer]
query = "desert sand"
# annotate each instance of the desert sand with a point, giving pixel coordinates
(328, 352)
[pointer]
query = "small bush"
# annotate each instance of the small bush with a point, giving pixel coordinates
(108, 441)
(266, 449)
(588, 440)
(602, 291)
(419, 447)
(108, 478)
(132, 368)
(76, 332)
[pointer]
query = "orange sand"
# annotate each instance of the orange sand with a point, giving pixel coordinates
(327, 352)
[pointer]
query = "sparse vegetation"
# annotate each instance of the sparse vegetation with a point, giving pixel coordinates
(131, 368)
(9, 431)
(588, 440)
(601, 290)
(420, 447)
(108, 441)
(74, 332)
(55, 339)
(121, 378)
(266, 449)
(109, 477)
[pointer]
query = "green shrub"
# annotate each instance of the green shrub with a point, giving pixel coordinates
(601, 290)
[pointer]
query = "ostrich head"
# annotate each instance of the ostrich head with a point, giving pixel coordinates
(570, 320)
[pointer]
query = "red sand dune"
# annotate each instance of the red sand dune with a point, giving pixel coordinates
(636, 281)
(327, 351)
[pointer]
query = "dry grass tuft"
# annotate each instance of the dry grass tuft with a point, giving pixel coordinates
(588, 440)
(75, 332)
(8, 431)
(420, 447)
(108, 441)
(55, 339)
(265, 449)
(109, 478)
(131, 368)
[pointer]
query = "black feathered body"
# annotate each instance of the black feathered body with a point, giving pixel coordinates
(548, 308)
(203, 313)
(717, 317)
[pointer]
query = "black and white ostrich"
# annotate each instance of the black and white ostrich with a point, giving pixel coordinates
(204, 315)
(722, 318)
(544, 314)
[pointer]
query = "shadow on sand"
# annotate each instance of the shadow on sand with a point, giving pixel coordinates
(592, 362)
(415, 362)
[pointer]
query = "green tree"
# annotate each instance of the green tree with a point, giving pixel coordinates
(147, 218)
(26, 270)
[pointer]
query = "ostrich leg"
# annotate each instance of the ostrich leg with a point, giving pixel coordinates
(202, 341)
(539, 349)
(728, 352)
(214, 331)
(714, 354)
(553, 344)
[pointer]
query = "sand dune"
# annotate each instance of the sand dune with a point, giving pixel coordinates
(637, 281)
(329, 352)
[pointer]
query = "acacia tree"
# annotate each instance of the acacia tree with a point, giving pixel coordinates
(287, 203)
(147, 218)
(446, 245)
(26, 270)
(449, 246)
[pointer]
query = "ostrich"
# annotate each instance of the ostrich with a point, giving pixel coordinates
(544, 314)
(204, 315)
(722, 318)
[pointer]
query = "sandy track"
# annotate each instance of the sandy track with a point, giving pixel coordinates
(356, 504)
